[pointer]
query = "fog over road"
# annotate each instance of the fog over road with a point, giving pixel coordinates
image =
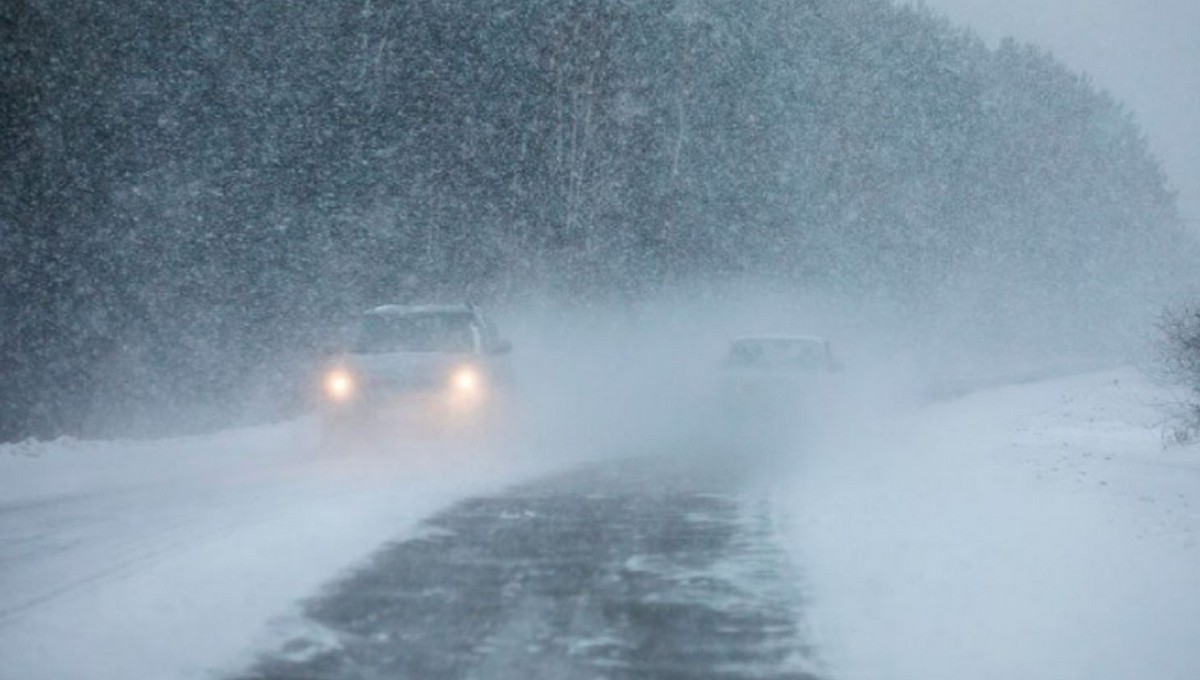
(898, 542)
(648, 568)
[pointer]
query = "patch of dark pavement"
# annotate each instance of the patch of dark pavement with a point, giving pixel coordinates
(631, 570)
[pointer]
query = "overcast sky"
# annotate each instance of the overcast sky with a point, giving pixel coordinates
(1145, 52)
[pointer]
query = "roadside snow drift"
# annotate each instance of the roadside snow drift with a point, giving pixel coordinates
(1037, 531)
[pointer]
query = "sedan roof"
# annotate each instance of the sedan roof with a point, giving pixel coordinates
(407, 310)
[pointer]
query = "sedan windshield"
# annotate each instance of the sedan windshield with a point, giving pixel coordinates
(384, 333)
(778, 353)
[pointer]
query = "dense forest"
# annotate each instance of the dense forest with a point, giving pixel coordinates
(194, 189)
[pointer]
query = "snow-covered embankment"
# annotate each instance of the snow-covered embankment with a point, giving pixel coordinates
(1037, 531)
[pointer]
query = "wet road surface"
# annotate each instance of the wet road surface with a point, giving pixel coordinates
(634, 570)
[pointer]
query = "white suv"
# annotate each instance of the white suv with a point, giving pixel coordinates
(432, 365)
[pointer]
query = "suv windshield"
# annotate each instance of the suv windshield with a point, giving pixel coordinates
(383, 333)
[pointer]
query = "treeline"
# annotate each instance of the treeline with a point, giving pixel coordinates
(191, 189)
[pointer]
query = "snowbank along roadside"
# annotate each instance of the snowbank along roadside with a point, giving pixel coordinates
(1038, 531)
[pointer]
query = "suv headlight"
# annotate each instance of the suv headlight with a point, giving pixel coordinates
(466, 380)
(339, 384)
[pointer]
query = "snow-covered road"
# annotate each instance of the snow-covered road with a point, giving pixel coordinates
(659, 567)
(1037, 530)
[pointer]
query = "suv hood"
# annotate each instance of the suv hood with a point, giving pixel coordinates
(406, 370)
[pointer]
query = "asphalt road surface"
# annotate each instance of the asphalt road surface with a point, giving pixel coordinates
(651, 569)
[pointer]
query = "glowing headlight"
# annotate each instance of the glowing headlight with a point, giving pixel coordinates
(466, 380)
(339, 385)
